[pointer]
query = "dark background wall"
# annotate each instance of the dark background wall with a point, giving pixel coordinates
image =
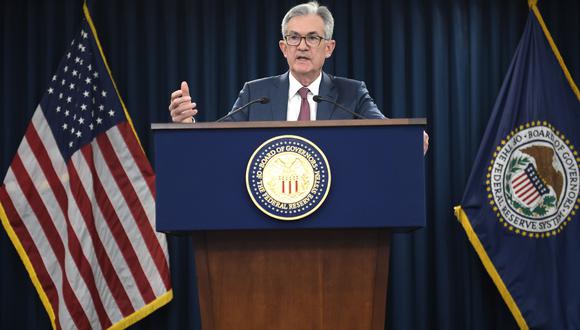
(444, 60)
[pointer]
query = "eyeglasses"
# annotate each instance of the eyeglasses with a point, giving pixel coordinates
(312, 40)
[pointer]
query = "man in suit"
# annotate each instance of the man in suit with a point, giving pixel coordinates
(306, 43)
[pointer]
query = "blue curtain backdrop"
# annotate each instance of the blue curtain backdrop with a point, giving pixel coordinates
(444, 60)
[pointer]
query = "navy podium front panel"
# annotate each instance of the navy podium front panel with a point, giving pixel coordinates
(377, 175)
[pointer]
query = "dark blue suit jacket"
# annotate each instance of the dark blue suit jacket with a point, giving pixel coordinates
(352, 94)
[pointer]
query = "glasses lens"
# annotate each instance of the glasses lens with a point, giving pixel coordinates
(313, 40)
(293, 40)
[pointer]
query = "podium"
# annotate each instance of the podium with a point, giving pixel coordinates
(327, 270)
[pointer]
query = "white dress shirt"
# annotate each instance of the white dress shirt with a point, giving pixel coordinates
(294, 99)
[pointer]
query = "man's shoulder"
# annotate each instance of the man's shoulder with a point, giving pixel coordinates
(267, 81)
(343, 81)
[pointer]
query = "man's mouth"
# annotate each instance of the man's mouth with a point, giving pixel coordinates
(302, 58)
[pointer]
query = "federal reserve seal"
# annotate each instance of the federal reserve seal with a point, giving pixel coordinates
(288, 177)
(533, 181)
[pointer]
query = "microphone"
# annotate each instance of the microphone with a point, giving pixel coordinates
(261, 100)
(318, 99)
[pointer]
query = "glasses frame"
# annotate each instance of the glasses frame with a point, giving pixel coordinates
(305, 40)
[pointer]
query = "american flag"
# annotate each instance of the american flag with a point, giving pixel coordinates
(78, 201)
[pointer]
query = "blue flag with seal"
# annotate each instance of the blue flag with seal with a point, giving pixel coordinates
(520, 208)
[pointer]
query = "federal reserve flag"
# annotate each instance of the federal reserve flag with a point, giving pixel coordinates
(78, 201)
(520, 208)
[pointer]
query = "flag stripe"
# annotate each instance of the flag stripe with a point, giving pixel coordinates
(104, 203)
(522, 175)
(66, 230)
(125, 215)
(39, 151)
(529, 190)
(37, 146)
(125, 260)
(135, 177)
(137, 210)
(52, 292)
(139, 157)
(50, 235)
(532, 198)
(523, 181)
(119, 139)
(523, 189)
(105, 277)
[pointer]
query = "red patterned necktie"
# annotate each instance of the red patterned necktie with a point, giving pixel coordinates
(304, 106)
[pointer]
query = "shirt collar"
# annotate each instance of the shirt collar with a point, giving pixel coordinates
(314, 87)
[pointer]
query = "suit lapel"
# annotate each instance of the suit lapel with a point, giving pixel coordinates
(279, 97)
(327, 90)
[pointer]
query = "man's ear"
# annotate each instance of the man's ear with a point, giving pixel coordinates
(283, 47)
(330, 45)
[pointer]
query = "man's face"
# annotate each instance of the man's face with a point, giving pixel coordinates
(305, 61)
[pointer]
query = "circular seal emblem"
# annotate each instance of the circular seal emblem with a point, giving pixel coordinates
(533, 181)
(288, 177)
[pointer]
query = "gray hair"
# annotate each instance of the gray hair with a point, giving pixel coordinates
(310, 8)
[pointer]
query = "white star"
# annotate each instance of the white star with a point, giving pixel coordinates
(64, 126)
(71, 86)
(95, 88)
(79, 134)
(54, 78)
(111, 113)
(80, 46)
(81, 62)
(63, 82)
(86, 93)
(99, 120)
(70, 144)
(96, 74)
(91, 126)
(83, 107)
(50, 90)
(74, 73)
(68, 55)
(72, 42)
(66, 68)
(77, 59)
(101, 107)
(81, 120)
(58, 109)
(104, 93)
(83, 49)
(84, 34)
(75, 116)
(72, 130)
(90, 67)
(69, 99)
(66, 113)
(88, 80)
(60, 96)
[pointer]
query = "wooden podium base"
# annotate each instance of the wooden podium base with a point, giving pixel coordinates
(293, 279)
